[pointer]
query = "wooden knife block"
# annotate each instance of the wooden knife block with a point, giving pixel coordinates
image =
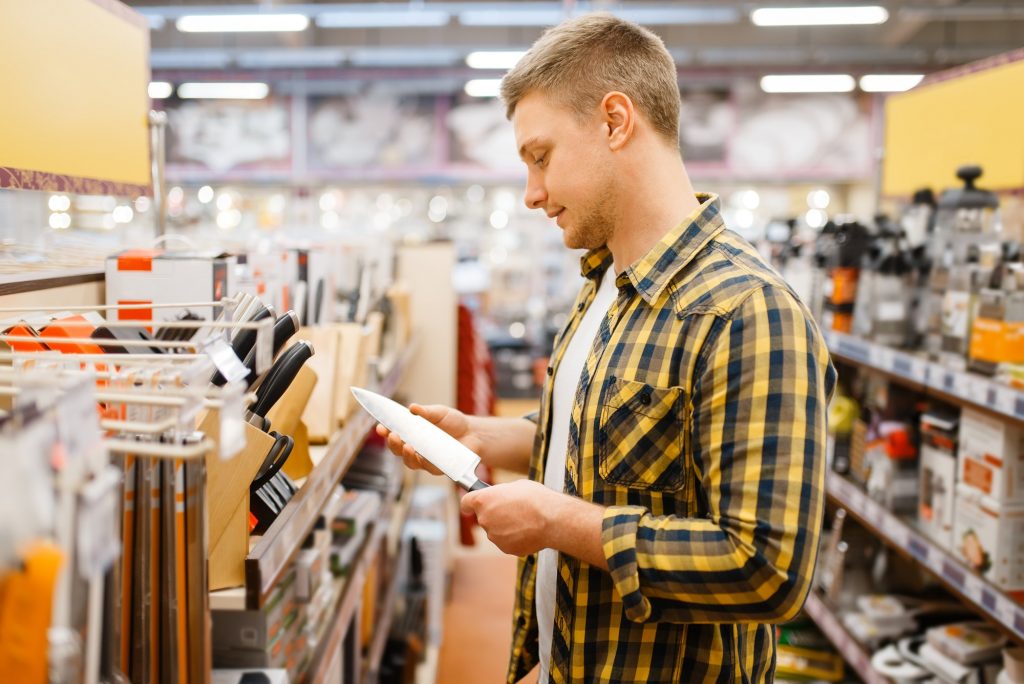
(227, 502)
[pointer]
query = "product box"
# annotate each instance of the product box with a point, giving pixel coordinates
(989, 538)
(937, 495)
(991, 457)
(158, 277)
(272, 276)
(315, 270)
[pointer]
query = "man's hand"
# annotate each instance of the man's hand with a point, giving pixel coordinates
(523, 517)
(452, 421)
(514, 515)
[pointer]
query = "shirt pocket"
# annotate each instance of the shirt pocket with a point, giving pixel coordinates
(642, 432)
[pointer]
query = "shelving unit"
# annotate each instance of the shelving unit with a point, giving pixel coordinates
(975, 592)
(956, 387)
(271, 555)
(828, 622)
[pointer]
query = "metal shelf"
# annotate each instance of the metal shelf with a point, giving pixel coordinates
(964, 388)
(974, 591)
(276, 549)
(848, 647)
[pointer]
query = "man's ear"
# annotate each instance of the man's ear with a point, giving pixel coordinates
(618, 115)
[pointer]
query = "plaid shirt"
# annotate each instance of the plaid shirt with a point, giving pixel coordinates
(699, 422)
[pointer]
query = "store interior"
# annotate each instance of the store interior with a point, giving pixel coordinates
(218, 216)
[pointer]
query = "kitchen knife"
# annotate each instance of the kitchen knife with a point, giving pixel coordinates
(284, 327)
(280, 376)
(244, 342)
(318, 301)
(435, 445)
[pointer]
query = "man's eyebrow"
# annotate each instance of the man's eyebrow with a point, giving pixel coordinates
(529, 143)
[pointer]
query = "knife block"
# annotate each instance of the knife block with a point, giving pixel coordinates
(227, 502)
(287, 412)
(318, 414)
(299, 463)
(353, 357)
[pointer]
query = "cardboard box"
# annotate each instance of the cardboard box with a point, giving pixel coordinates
(157, 277)
(315, 269)
(991, 457)
(937, 497)
(989, 538)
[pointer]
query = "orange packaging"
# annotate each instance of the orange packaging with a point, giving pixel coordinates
(997, 341)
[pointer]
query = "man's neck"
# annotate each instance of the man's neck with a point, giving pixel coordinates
(654, 199)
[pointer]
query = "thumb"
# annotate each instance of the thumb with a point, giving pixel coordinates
(435, 413)
(470, 502)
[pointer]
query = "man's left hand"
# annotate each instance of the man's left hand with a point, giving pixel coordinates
(514, 515)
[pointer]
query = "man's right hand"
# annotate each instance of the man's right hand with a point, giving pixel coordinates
(452, 421)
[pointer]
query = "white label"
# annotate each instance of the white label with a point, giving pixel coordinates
(890, 311)
(225, 359)
(98, 542)
(264, 344)
(232, 421)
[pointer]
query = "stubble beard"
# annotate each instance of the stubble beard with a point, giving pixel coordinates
(595, 227)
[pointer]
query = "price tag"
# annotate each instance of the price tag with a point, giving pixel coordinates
(918, 549)
(1018, 406)
(78, 428)
(264, 344)
(962, 385)
(977, 390)
(225, 359)
(954, 574)
(1005, 400)
(99, 543)
(902, 366)
(232, 420)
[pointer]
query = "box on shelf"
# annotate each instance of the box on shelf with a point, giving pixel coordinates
(989, 538)
(997, 333)
(149, 276)
(991, 457)
(315, 270)
(938, 477)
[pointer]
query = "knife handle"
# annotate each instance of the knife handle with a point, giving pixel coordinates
(280, 376)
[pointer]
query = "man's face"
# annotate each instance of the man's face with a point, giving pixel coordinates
(569, 170)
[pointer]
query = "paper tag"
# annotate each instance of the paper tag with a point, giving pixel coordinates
(232, 420)
(264, 345)
(225, 359)
(890, 311)
(99, 544)
(78, 427)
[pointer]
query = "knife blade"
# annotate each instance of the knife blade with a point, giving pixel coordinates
(446, 453)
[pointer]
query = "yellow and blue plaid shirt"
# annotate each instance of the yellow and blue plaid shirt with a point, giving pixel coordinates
(699, 423)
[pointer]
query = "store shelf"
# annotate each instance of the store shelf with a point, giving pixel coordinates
(275, 550)
(961, 580)
(848, 647)
(966, 389)
(345, 607)
(16, 283)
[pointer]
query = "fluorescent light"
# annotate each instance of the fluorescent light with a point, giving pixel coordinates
(509, 16)
(223, 91)
(397, 18)
(819, 16)
(889, 83)
(241, 23)
(496, 59)
(158, 90)
(483, 87)
(807, 83)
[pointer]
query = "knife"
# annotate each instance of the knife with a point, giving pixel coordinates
(280, 376)
(244, 342)
(435, 445)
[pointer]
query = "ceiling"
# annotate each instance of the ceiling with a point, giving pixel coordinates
(709, 40)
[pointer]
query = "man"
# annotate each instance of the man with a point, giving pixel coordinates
(676, 473)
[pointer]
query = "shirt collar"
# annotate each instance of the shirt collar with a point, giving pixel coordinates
(653, 272)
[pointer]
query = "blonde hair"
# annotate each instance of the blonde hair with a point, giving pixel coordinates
(580, 60)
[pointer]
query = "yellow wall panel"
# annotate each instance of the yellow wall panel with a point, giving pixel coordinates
(974, 118)
(73, 96)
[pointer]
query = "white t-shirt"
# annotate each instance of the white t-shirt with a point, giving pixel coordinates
(566, 380)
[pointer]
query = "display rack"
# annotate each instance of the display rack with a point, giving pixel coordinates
(932, 378)
(271, 555)
(851, 650)
(972, 590)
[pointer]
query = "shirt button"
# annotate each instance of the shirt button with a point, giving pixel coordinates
(551, 371)
(645, 399)
(580, 307)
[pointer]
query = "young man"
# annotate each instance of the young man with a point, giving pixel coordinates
(676, 472)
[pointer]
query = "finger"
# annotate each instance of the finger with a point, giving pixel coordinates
(435, 413)
(396, 444)
(382, 431)
(469, 503)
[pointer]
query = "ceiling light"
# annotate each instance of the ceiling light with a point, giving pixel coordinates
(889, 83)
(382, 18)
(223, 91)
(158, 90)
(497, 59)
(819, 16)
(807, 83)
(241, 23)
(534, 15)
(483, 87)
